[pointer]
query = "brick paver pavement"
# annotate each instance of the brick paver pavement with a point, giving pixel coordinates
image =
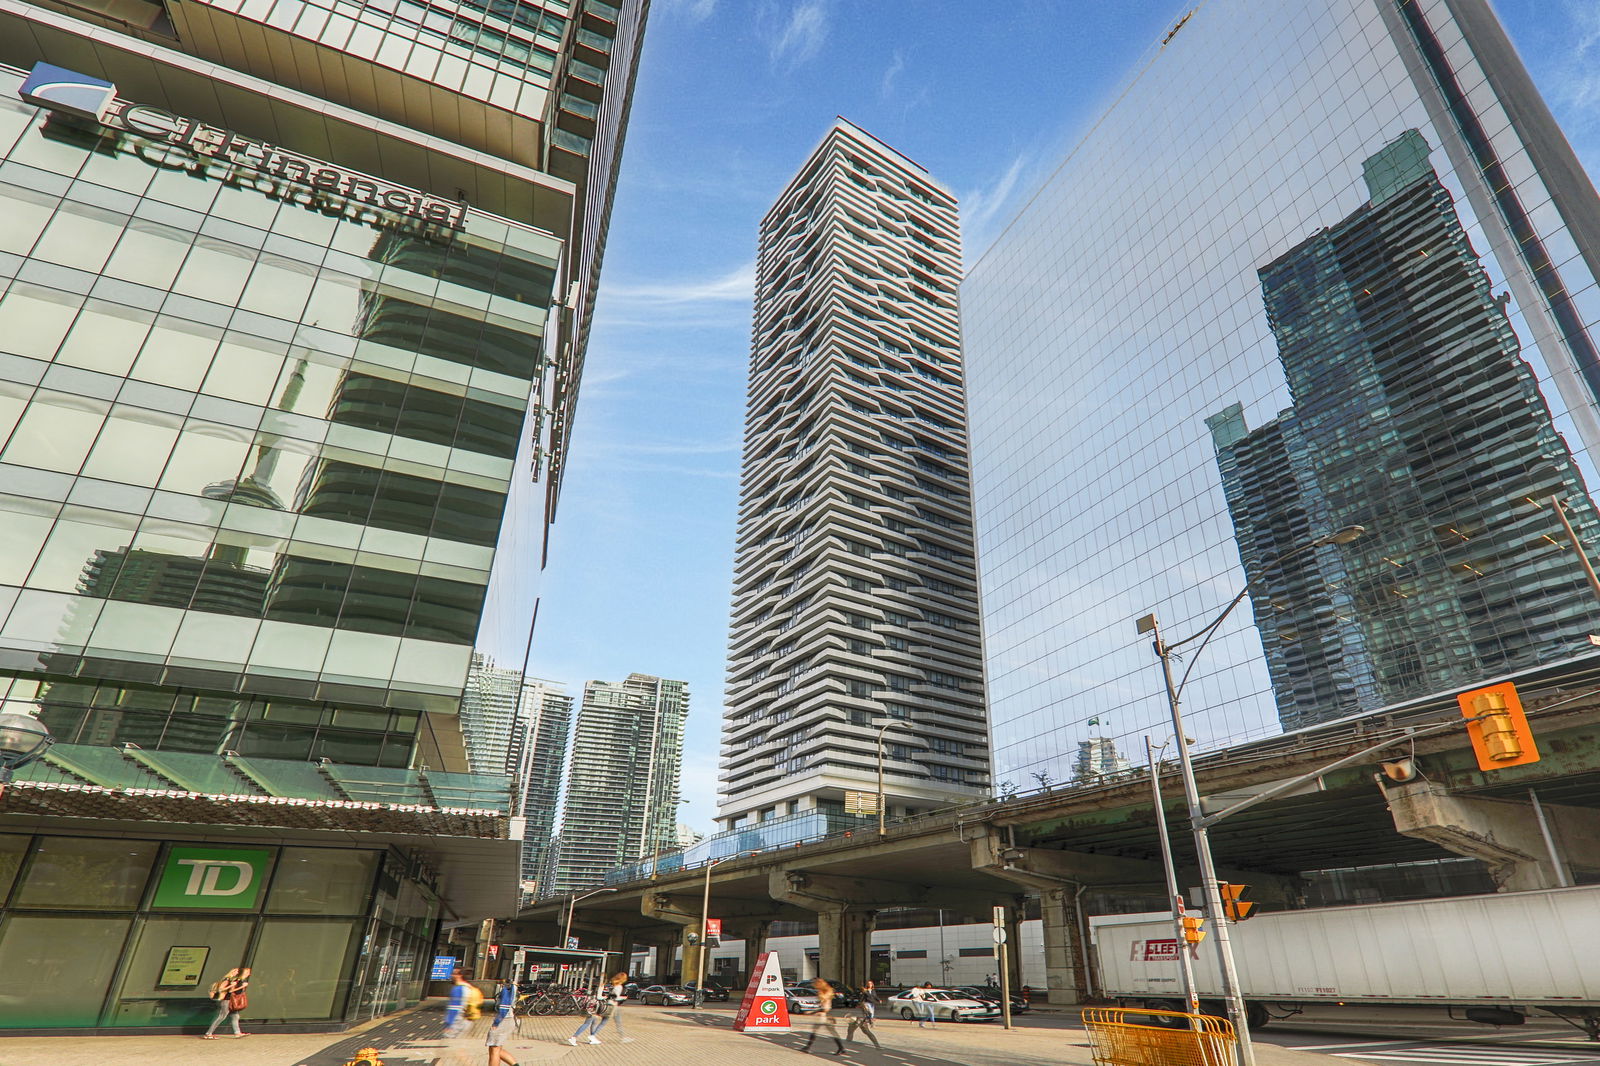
(662, 1037)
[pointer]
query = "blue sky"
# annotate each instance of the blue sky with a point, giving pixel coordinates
(732, 96)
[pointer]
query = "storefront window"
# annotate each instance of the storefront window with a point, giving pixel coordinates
(302, 967)
(322, 881)
(86, 874)
(173, 964)
(54, 970)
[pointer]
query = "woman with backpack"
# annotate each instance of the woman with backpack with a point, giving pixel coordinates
(231, 1000)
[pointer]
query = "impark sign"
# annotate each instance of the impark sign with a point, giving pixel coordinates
(764, 1007)
(213, 878)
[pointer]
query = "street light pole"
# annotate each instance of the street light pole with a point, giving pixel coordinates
(1185, 970)
(1198, 821)
(881, 730)
(572, 905)
(705, 924)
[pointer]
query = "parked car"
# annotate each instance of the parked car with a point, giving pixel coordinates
(714, 992)
(948, 1005)
(631, 990)
(666, 996)
(844, 995)
(802, 999)
(989, 994)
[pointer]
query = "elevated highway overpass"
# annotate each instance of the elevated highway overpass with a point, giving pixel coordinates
(1059, 844)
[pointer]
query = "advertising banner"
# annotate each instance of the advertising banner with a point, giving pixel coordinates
(764, 1007)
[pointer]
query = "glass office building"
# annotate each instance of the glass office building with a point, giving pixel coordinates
(1349, 280)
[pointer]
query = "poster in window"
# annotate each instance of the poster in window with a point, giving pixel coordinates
(183, 967)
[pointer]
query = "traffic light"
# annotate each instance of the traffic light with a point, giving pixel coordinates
(1497, 726)
(1234, 905)
(1193, 928)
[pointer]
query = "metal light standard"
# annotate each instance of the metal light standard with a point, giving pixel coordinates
(705, 925)
(1197, 818)
(890, 724)
(572, 905)
(23, 738)
(1191, 998)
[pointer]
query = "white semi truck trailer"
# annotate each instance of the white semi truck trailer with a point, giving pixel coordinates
(1493, 959)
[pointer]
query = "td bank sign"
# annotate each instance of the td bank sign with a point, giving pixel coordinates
(213, 878)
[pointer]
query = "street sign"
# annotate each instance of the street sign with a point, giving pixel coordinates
(764, 1008)
(443, 967)
(713, 931)
(572, 943)
(999, 935)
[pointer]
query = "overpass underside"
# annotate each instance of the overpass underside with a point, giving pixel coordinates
(1531, 826)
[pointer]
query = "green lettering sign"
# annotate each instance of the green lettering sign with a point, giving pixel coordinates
(202, 878)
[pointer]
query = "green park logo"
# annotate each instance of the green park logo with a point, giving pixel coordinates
(770, 1007)
(213, 878)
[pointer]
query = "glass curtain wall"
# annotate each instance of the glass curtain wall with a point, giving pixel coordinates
(1304, 274)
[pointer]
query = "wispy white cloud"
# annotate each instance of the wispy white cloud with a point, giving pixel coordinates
(896, 67)
(984, 209)
(800, 37)
(691, 11)
(736, 286)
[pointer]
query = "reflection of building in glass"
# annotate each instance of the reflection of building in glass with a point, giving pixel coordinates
(1097, 757)
(855, 592)
(1416, 417)
(621, 801)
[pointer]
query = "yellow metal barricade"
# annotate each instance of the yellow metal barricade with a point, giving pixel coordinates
(1136, 1037)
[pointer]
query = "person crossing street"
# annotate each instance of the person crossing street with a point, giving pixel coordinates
(868, 1008)
(824, 1017)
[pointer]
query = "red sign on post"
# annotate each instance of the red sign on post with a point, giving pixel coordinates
(713, 928)
(764, 1006)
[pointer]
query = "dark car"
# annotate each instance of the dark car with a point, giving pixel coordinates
(844, 995)
(714, 992)
(666, 996)
(990, 994)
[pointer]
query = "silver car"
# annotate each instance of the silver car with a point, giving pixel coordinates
(802, 999)
(948, 1006)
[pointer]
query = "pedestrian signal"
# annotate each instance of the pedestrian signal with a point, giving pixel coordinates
(1193, 929)
(1234, 906)
(1498, 728)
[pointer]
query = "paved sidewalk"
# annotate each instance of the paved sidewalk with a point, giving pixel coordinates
(662, 1037)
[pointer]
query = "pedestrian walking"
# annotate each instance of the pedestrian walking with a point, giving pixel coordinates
(599, 1007)
(922, 996)
(615, 994)
(502, 1028)
(868, 1014)
(455, 1009)
(824, 1017)
(229, 994)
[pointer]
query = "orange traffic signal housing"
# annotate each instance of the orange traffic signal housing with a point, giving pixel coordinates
(1236, 909)
(1193, 931)
(1500, 733)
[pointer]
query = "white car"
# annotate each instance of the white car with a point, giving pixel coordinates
(802, 999)
(948, 1006)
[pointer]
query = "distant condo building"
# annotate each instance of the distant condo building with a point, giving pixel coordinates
(621, 800)
(538, 754)
(854, 600)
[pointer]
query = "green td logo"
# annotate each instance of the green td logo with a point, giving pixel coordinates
(213, 878)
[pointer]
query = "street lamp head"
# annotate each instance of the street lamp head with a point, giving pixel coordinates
(23, 738)
(1146, 624)
(1343, 536)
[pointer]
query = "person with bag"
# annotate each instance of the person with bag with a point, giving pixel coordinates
(455, 1007)
(868, 1006)
(231, 1000)
(612, 997)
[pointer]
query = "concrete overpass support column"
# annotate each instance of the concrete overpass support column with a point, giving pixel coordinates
(844, 944)
(691, 954)
(1502, 832)
(1066, 982)
(755, 942)
(621, 943)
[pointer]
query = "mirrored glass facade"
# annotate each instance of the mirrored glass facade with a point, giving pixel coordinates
(1350, 281)
(257, 441)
